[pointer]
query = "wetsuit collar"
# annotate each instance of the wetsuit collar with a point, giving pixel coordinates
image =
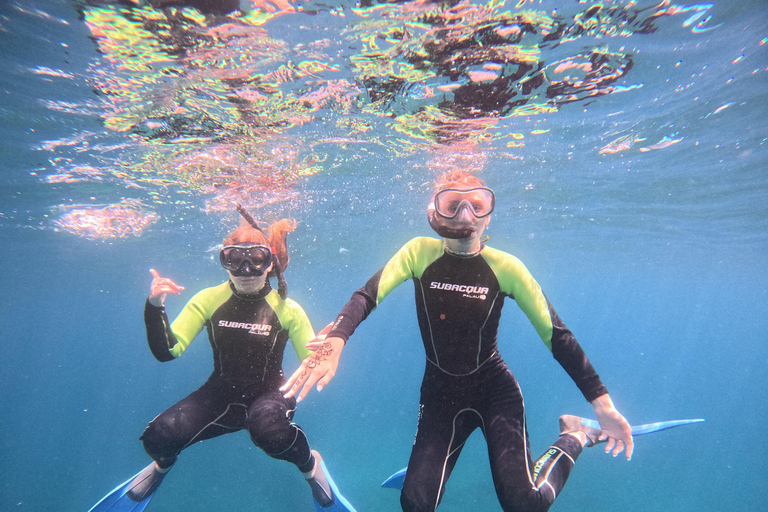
(460, 254)
(252, 296)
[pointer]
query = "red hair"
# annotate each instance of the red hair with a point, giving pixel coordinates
(276, 240)
(457, 179)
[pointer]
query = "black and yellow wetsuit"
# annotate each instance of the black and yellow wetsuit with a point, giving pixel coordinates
(466, 384)
(248, 335)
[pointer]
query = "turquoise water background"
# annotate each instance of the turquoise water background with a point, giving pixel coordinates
(655, 259)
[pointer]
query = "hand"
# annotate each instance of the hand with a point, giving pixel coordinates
(160, 287)
(615, 428)
(318, 368)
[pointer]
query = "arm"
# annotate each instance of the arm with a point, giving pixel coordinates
(321, 366)
(160, 338)
(169, 341)
(517, 282)
(567, 351)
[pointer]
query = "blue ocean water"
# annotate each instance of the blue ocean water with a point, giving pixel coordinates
(638, 198)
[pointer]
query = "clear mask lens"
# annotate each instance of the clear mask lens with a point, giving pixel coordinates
(480, 201)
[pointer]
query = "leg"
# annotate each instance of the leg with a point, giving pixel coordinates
(271, 429)
(440, 437)
(551, 470)
(521, 484)
(204, 414)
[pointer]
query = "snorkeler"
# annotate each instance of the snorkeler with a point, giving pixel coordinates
(460, 288)
(248, 325)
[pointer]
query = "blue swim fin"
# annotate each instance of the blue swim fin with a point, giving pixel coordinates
(340, 503)
(396, 481)
(648, 428)
(119, 501)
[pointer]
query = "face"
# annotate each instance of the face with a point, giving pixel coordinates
(465, 207)
(248, 265)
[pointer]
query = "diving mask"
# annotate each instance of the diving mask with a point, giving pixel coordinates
(246, 260)
(449, 202)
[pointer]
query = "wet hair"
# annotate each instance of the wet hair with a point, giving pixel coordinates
(275, 238)
(457, 179)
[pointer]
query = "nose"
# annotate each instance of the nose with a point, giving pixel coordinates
(464, 214)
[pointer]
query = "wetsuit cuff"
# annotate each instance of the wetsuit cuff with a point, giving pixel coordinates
(338, 334)
(594, 395)
(148, 304)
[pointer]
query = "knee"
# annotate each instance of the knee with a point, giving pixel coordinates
(161, 441)
(274, 442)
(271, 431)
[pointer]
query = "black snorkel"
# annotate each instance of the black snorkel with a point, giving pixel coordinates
(443, 230)
(282, 287)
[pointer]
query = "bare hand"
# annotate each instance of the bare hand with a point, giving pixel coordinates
(161, 286)
(615, 427)
(318, 368)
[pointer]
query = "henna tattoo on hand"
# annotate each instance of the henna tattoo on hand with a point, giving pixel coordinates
(320, 355)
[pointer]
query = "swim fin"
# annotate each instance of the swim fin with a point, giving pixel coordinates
(340, 503)
(396, 481)
(119, 499)
(648, 428)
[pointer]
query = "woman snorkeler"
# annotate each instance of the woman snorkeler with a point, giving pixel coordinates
(248, 326)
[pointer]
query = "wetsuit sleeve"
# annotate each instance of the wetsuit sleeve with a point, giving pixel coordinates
(293, 318)
(517, 282)
(407, 263)
(170, 341)
(567, 351)
(159, 335)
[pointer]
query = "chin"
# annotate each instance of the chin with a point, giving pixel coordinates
(248, 284)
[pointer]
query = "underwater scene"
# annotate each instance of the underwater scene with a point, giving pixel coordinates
(626, 143)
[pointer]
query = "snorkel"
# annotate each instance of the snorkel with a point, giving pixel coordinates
(282, 287)
(443, 230)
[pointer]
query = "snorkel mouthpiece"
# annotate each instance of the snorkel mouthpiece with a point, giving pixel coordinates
(443, 230)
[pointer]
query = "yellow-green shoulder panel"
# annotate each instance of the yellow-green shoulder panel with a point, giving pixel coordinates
(192, 318)
(516, 281)
(293, 318)
(409, 262)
